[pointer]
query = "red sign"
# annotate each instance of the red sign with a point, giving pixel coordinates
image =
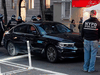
(84, 3)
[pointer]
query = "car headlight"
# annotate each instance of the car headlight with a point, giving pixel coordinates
(62, 44)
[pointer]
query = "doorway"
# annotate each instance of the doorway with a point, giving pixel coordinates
(21, 9)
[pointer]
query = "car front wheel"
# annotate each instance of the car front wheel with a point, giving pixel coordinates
(52, 54)
(11, 49)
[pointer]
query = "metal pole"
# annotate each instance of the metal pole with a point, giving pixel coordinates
(29, 55)
(70, 9)
(0, 71)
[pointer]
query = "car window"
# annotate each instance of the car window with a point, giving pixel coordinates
(31, 29)
(62, 28)
(21, 29)
(53, 29)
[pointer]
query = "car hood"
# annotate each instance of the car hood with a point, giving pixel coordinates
(69, 37)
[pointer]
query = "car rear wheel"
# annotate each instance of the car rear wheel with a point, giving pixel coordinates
(52, 54)
(11, 49)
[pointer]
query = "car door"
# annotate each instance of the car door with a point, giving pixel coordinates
(36, 41)
(18, 36)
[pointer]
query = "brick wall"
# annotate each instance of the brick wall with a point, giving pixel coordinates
(35, 11)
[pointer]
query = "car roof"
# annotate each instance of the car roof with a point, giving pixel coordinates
(36, 23)
(43, 22)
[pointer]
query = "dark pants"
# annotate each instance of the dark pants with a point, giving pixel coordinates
(1, 36)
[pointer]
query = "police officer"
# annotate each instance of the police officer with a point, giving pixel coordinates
(2, 28)
(34, 18)
(39, 18)
(80, 25)
(12, 22)
(90, 33)
(20, 20)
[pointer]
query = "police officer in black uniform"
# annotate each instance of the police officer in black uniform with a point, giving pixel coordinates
(2, 28)
(20, 20)
(34, 18)
(39, 18)
(12, 22)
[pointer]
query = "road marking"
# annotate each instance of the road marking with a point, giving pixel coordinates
(12, 65)
(15, 71)
(15, 57)
(98, 56)
(25, 68)
(55, 73)
(4, 61)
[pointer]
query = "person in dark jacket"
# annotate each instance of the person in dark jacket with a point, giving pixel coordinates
(2, 28)
(20, 20)
(34, 18)
(39, 18)
(90, 33)
(12, 22)
(80, 25)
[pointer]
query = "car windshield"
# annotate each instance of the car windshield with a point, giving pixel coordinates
(53, 29)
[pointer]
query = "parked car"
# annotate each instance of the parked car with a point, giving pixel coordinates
(51, 39)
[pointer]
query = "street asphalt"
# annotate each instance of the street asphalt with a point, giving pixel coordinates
(42, 67)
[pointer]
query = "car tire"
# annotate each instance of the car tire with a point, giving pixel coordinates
(52, 54)
(11, 49)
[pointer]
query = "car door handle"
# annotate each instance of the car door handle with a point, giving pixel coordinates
(15, 38)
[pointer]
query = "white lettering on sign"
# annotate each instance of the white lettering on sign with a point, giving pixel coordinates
(90, 25)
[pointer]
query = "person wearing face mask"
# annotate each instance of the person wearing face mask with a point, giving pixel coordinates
(34, 19)
(39, 18)
(91, 35)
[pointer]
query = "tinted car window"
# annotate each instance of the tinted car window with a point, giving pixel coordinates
(31, 29)
(62, 29)
(21, 29)
(53, 29)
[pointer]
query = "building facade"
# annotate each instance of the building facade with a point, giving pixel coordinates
(28, 8)
(66, 10)
(64, 13)
(62, 10)
(25, 8)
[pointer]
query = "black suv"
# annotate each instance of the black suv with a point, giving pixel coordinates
(51, 39)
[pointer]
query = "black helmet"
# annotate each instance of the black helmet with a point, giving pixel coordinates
(34, 18)
(39, 16)
(1, 16)
(19, 17)
(13, 16)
